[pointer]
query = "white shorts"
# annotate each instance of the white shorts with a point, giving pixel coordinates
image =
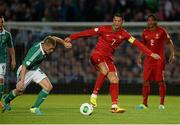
(2, 70)
(31, 76)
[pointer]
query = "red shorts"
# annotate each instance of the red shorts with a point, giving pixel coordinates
(96, 58)
(154, 72)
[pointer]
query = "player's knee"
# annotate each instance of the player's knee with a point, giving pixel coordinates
(146, 83)
(114, 80)
(49, 87)
(18, 92)
(1, 80)
(104, 71)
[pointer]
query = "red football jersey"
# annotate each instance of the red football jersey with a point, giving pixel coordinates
(109, 39)
(155, 41)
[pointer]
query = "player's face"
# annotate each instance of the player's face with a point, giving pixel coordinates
(49, 49)
(151, 22)
(1, 23)
(117, 22)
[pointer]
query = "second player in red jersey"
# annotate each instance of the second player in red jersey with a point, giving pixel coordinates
(155, 38)
(109, 38)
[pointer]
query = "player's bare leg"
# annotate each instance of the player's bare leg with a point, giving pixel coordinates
(145, 93)
(46, 88)
(103, 70)
(114, 92)
(1, 90)
(162, 93)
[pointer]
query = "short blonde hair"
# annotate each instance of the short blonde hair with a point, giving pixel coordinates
(50, 40)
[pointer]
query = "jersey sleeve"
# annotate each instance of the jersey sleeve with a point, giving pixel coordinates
(137, 43)
(165, 34)
(9, 41)
(86, 33)
(31, 56)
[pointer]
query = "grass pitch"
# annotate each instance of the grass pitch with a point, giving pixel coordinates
(62, 109)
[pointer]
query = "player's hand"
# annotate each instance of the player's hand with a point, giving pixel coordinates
(67, 40)
(171, 59)
(67, 45)
(139, 62)
(13, 65)
(20, 85)
(155, 56)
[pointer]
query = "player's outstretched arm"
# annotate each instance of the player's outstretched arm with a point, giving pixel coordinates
(84, 33)
(61, 41)
(143, 48)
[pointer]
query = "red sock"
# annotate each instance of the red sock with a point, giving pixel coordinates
(162, 92)
(114, 91)
(99, 82)
(145, 93)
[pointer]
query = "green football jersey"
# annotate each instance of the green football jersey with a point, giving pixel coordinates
(34, 57)
(5, 41)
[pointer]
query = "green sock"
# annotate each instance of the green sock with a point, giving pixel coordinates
(41, 97)
(10, 97)
(1, 90)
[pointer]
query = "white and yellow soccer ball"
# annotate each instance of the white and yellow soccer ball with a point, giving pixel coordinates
(86, 109)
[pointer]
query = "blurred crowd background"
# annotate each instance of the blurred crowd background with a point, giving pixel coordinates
(88, 10)
(73, 65)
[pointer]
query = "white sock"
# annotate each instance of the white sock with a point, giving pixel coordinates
(114, 105)
(94, 96)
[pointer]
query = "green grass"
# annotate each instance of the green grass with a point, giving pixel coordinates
(65, 109)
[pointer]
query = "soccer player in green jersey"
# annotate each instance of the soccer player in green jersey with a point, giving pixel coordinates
(29, 71)
(5, 42)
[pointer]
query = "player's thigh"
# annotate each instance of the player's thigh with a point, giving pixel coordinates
(159, 73)
(46, 84)
(113, 77)
(99, 63)
(41, 78)
(2, 72)
(148, 73)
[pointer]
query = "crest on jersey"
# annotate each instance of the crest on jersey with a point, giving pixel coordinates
(157, 36)
(120, 37)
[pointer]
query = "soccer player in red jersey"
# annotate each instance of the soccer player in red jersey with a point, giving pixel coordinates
(109, 38)
(155, 37)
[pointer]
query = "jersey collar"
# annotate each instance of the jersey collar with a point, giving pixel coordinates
(42, 48)
(3, 32)
(114, 29)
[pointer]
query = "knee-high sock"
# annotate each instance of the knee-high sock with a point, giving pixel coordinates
(41, 97)
(114, 92)
(162, 92)
(145, 93)
(10, 96)
(99, 83)
(1, 90)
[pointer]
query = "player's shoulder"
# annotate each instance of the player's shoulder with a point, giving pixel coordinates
(123, 31)
(161, 28)
(145, 30)
(105, 26)
(7, 32)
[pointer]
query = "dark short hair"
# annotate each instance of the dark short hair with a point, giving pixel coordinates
(153, 16)
(118, 15)
(50, 40)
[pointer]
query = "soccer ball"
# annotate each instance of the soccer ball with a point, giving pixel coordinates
(86, 109)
